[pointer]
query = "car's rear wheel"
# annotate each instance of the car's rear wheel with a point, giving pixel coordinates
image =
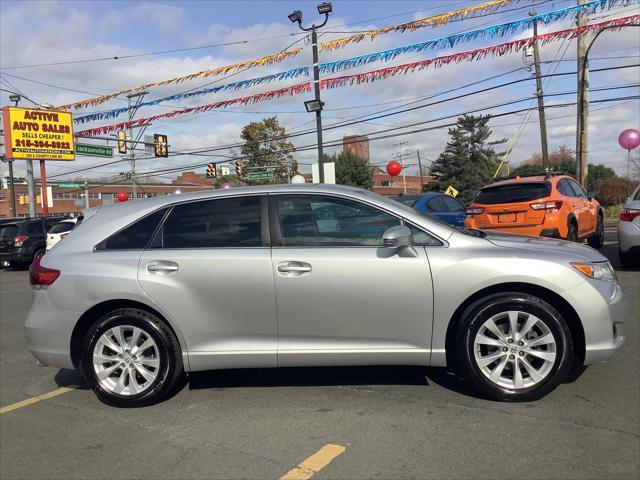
(628, 260)
(130, 358)
(572, 234)
(597, 239)
(514, 347)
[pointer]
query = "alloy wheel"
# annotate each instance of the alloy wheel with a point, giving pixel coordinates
(515, 349)
(126, 360)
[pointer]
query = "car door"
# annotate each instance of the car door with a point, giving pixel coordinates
(343, 299)
(209, 267)
(588, 216)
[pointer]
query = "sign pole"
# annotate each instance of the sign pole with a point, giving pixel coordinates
(43, 185)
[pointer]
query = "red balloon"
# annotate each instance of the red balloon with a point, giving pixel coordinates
(394, 168)
(122, 196)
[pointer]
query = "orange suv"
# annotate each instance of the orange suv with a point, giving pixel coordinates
(548, 205)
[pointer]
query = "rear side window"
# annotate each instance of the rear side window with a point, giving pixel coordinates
(62, 227)
(136, 236)
(225, 222)
(35, 228)
(513, 193)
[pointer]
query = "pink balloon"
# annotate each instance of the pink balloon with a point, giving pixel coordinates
(226, 185)
(629, 139)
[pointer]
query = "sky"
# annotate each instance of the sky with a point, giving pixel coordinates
(44, 32)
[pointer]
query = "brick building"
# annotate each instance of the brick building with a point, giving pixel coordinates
(99, 194)
(357, 144)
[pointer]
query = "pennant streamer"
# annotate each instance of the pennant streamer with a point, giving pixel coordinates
(380, 74)
(444, 42)
(434, 21)
(212, 72)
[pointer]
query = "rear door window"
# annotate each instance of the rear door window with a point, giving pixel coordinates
(513, 193)
(225, 222)
(35, 227)
(453, 205)
(579, 192)
(565, 189)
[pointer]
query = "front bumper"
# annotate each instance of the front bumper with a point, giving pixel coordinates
(603, 309)
(48, 331)
(628, 236)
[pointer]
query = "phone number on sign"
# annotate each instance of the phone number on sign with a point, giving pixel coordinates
(43, 144)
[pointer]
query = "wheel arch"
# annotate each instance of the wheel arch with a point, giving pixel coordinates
(556, 301)
(89, 317)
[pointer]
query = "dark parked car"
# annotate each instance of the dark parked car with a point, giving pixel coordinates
(438, 205)
(22, 241)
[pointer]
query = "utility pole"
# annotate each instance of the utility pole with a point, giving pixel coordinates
(539, 94)
(582, 159)
(31, 189)
(86, 194)
(420, 169)
(404, 179)
(132, 144)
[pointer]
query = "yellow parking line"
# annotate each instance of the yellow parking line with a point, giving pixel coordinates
(314, 463)
(36, 399)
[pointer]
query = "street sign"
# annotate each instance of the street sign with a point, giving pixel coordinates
(94, 150)
(451, 191)
(68, 185)
(259, 175)
(33, 134)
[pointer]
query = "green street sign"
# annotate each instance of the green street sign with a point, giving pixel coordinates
(259, 175)
(95, 150)
(68, 185)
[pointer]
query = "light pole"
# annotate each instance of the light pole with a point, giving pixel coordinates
(316, 104)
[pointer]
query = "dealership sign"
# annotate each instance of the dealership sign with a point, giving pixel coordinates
(32, 134)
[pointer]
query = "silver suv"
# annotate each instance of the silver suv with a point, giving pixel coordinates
(143, 292)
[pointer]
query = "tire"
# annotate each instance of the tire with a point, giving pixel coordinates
(597, 239)
(572, 233)
(135, 377)
(627, 260)
(540, 372)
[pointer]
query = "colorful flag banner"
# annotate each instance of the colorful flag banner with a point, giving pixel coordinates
(211, 72)
(385, 56)
(380, 74)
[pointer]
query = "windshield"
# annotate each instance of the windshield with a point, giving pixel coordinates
(8, 231)
(61, 227)
(513, 193)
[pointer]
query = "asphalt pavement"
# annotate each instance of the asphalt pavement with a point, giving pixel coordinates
(369, 422)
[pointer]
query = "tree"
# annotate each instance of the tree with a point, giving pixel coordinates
(351, 170)
(469, 161)
(266, 145)
(563, 160)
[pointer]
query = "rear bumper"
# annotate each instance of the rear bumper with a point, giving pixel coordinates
(17, 255)
(628, 236)
(48, 331)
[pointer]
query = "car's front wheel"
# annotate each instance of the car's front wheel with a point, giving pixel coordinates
(514, 347)
(130, 358)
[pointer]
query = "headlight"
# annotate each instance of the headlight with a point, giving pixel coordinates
(601, 270)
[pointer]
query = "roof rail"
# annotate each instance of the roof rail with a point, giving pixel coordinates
(546, 175)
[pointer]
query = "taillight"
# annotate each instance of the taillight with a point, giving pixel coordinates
(20, 239)
(39, 275)
(628, 214)
(549, 207)
(475, 210)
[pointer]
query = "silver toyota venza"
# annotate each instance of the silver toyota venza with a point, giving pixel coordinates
(141, 293)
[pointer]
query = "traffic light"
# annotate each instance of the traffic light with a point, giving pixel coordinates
(160, 145)
(212, 171)
(239, 169)
(122, 144)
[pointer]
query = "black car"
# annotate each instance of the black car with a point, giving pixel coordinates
(22, 241)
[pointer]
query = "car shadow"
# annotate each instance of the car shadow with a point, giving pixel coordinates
(611, 252)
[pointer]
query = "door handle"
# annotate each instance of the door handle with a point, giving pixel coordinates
(294, 268)
(162, 266)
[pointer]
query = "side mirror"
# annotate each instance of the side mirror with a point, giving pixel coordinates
(399, 238)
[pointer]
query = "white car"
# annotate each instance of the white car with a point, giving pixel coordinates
(59, 231)
(629, 230)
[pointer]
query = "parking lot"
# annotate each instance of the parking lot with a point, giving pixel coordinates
(384, 422)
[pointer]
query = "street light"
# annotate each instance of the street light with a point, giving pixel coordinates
(315, 105)
(15, 98)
